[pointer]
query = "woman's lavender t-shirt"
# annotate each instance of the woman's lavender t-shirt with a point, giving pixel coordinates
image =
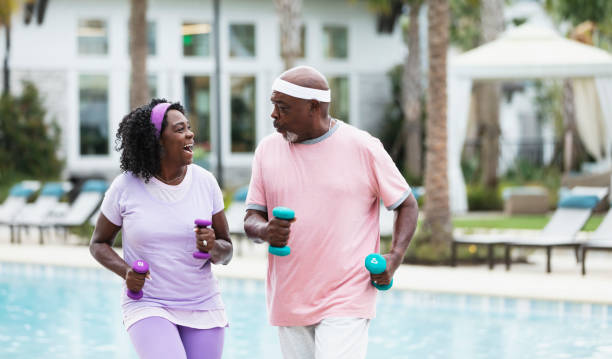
(162, 234)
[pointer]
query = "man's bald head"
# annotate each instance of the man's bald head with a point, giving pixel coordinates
(305, 76)
(301, 99)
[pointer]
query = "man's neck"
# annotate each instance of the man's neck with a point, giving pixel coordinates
(324, 125)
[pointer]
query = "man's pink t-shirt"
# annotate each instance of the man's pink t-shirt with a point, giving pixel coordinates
(334, 184)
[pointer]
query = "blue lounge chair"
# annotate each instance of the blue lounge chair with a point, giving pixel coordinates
(571, 215)
(567, 220)
(82, 208)
(35, 214)
(18, 197)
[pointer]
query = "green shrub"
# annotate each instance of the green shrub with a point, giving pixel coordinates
(200, 156)
(28, 145)
(481, 198)
(423, 251)
(7, 180)
(391, 131)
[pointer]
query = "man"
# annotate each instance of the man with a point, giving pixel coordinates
(333, 176)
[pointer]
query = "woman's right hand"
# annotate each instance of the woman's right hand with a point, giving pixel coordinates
(134, 280)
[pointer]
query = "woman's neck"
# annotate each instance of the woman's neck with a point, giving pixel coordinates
(171, 176)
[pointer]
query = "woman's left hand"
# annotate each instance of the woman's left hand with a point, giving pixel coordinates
(205, 239)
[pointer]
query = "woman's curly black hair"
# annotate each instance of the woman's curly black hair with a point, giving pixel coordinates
(137, 141)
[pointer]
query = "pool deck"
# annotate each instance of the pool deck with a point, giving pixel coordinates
(565, 283)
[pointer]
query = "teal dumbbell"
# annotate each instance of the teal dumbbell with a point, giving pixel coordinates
(286, 214)
(376, 264)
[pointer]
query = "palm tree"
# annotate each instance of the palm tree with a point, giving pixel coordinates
(289, 17)
(412, 90)
(411, 94)
(488, 94)
(139, 89)
(7, 8)
(437, 213)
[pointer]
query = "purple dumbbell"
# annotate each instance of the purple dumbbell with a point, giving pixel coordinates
(202, 223)
(142, 267)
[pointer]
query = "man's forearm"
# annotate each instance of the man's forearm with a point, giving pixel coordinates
(222, 252)
(254, 226)
(404, 227)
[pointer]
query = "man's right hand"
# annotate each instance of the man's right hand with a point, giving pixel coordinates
(134, 280)
(277, 232)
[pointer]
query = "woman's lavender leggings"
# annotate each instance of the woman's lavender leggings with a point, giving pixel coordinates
(156, 337)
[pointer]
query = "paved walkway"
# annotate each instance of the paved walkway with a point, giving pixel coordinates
(523, 281)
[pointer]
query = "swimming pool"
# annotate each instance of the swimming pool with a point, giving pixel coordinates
(56, 312)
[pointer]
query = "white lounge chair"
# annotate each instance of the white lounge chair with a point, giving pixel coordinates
(235, 213)
(571, 215)
(35, 214)
(85, 204)
(93, 220)
(386, 219)
(18, 196)
(600, 239)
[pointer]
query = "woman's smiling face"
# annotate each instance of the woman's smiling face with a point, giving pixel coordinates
(177, 139)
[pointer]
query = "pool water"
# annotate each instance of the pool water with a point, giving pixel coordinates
(56, 312)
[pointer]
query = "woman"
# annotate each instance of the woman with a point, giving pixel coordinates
(155, 202)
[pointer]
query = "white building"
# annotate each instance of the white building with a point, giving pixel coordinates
(79, 60)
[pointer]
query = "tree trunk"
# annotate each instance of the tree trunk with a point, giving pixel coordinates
(412, 91)
(488, 95)
(437, 213)
(289, 19)
(487, 106)
(571, 141)
(6, 72)
(139, 86)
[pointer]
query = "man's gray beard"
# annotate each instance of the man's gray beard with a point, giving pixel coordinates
(290, 137)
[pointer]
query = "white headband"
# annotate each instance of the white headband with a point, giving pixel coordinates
(305, 93)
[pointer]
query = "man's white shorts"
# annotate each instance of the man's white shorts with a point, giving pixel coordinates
(332, 338)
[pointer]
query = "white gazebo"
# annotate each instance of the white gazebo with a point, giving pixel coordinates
(528, 52)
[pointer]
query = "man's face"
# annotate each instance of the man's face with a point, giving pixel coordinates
(291, 115)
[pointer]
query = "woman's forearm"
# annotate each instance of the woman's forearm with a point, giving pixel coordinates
(222, 252)
(107, 256)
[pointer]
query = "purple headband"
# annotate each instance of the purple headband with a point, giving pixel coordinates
(157, 116)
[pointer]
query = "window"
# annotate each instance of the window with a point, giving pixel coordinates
(302, 39)
(152, 82)
(92, 37)
(335, 42)
(340, 104)
(197, 106)
(151, 38)
(196, 39)
(242, 40)
(243, 114)
(93, 114)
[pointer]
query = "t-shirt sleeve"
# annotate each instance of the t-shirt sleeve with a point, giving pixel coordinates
(391, 186)
(217, 196)
(111, 206)
(256, 197)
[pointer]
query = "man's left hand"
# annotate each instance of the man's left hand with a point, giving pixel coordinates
(385, 277)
